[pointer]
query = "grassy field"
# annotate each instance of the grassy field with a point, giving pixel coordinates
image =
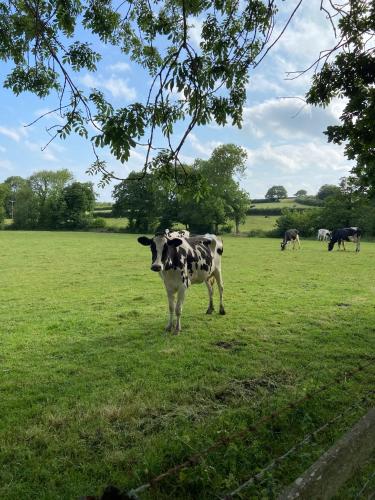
(258, 222)
(283, 203)
(253, 223)
(94, 393)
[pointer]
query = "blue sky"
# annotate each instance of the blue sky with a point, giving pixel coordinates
(283, 137)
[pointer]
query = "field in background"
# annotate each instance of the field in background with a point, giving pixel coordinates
(94, 393)
(283, 203)
(258, 223)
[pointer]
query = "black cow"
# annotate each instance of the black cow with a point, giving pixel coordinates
(185, 261)
(339, 236)
(291, 235)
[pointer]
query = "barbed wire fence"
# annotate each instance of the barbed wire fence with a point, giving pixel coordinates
(253, 429)
(276, 462)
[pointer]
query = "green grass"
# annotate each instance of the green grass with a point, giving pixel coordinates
(258, 222)
(253, 222)
(119, 222)
(94, 393)
(283, 203)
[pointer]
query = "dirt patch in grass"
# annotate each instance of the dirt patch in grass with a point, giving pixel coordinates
(229, 344)
(247, 389)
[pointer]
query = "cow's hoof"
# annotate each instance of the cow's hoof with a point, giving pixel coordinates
(176, 332)
(209, 310)
(222, 311)
(169, 328)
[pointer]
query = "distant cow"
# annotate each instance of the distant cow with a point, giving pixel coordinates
(339, 236)
(291, 235)
(324, 234)
(180, 233)
(185, 261)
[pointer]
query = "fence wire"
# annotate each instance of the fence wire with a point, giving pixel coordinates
(195, 459)
(277, 461)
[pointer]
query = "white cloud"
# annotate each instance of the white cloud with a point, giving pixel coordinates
(203, 148)
(116, 86)
(11, 133)
(195, 30)
(51, 153)
(119, 67)
(6, 165)
(306, 165)
(288, 119)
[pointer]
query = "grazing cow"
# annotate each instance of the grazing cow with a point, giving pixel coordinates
(324, 234)
(185, 261)
(339, 236)
(291, 235)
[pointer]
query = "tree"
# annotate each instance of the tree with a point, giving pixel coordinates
(78, 204)
(327, 190)
(212, 78)
(223, 198)
(14, 184)
(26, 209)
(300, 192)
(4, 189)
(239, 204)
(275, 193)
(47, 187)
(348, 71)
(138, 201)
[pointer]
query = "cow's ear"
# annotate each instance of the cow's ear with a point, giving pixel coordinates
(175, 242)
(143, 240)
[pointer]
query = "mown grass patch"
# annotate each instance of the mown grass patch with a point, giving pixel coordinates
(93, 392)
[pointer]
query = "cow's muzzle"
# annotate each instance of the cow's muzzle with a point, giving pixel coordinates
(155, 268)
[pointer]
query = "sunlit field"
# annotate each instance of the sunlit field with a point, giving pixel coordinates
(93, 392)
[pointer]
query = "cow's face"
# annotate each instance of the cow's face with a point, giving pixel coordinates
(331, 244)
(283, 245)
(159, 249)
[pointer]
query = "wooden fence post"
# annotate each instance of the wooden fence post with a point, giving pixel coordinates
(324, 478)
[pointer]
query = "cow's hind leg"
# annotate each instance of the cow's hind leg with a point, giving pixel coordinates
(219, 281)
(210, 283)
(180, 302)
(171, 296)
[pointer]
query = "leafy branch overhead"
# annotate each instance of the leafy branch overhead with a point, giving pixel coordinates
(348, 71)
(189, 84)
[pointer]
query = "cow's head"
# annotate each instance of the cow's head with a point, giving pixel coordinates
(331, 244)
(283, 245)
(159, 249)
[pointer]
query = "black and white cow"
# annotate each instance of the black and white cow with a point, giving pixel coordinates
(185, 261)
(179, 233)
(339, 236)
(291, 235)
(324, 234)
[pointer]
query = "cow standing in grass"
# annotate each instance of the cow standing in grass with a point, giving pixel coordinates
(339, 236)
(324, 234)
(290, 236)
(182, 262)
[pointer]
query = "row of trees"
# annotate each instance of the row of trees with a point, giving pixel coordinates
(151, 201)
(47, 200)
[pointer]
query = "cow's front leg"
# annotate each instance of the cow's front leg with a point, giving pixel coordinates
(180, 302)
(210, 289)
(171, 295)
